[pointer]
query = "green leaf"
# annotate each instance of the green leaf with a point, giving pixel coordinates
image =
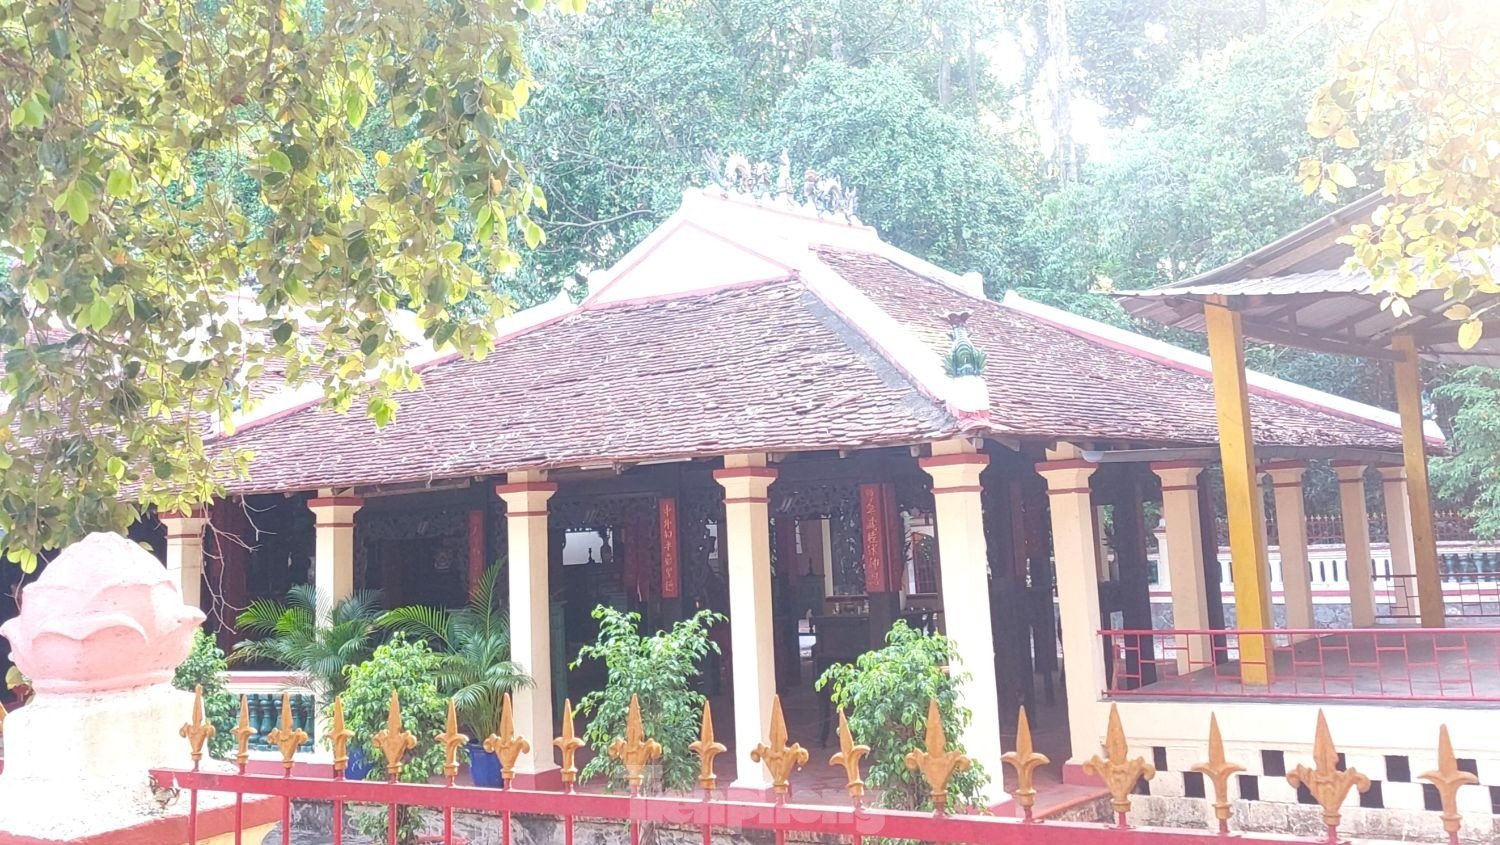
(77, 205)
(355, 106)
(98, 313)
(279, 161)
(121, 182)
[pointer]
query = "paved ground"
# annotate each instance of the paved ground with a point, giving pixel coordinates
(1388, 665)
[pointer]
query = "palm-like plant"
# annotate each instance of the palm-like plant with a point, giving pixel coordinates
(473, 645)
(289, 635)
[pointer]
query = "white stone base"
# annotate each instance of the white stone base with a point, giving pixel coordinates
(77, 765)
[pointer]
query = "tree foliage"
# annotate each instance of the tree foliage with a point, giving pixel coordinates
(191, 203)
(408, 669)
(659, 671)
(636, 92)
(205, 666)
(1436, 63)
(885, 694)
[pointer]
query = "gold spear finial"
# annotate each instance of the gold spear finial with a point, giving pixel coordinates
(506, 745)
(937, 763)
(568, 743)
(849, 756)
(242, 733)
(1119, 773)
(451, 739)
(339, 736)
(199, 730)
(1328, 783)
(1218, 771)
(778, 756)
(285, 736)
(634, 750)
(392, 741)
(2, 719)
(707, 749)
(1448, 778)
(1025, 760)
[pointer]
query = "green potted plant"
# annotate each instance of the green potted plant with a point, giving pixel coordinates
(886, 695)
(659, 669)
(473, 664)
(206, 666)
(407, 667)
(287, 634)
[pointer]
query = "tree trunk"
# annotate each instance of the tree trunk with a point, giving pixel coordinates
(1059, 76)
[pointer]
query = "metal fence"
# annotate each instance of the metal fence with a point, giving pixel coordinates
(711, 813)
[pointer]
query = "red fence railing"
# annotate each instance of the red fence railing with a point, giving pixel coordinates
(704, 814)
(1465, 600)
(1384, 664)
(501, 811)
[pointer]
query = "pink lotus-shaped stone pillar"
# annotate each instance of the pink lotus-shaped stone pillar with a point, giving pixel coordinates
(103, 616)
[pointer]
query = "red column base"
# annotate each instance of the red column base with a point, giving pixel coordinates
(547, 780)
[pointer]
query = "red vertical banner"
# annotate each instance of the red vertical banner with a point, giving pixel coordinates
(671, 576)
(876, 535)
(477, 562)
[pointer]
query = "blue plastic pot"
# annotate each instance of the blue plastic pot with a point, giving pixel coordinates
(484, 766)
(358, 766)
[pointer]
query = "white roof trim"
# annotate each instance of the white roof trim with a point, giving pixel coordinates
(962, 398)
(1200, 364)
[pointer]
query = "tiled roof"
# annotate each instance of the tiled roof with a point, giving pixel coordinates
(1045, 380)
(763, 368)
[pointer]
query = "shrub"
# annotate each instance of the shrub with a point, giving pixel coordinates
(408, 668)
(473, 644)
(885, 694)
(659, 669)
(206, 665)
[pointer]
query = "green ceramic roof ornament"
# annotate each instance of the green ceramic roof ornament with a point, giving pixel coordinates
(964, 358)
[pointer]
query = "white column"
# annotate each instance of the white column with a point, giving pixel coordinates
(185, 553)
(955, 466)
(1291, 538)
(1074, 549)
(333, 556)
(1183, 550)
(1356, 543)
(1398, 531)
(525, 495)
(747, 544)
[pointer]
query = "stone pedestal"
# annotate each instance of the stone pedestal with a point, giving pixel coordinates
(99, 635)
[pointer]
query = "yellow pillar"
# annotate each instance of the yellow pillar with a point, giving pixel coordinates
(1074, 549)
(1358, 568)
(955, 466)
(1291, 541)
(185, 553)
(1242, 492)
(1404, 589)
(1419, 492)
(747, 544)
(1184, 552)
(525, 495)
(333, 554)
